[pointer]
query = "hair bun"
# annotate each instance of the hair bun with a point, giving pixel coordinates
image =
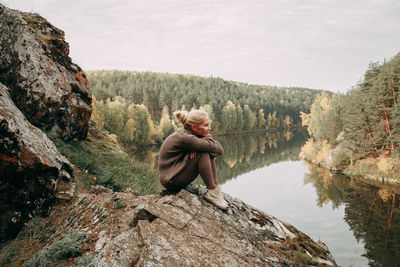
(181, 115)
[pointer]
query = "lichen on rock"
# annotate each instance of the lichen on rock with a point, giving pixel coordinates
(51, 91)
(32, 171)
(182, 229)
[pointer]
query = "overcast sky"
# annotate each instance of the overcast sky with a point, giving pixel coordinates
(324, 44)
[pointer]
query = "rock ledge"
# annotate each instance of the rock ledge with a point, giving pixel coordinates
(184, 230)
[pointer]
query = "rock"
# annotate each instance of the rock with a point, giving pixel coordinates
(32, 171)
(184, 230)
(98, 189)
(123, 250)
(51, 91)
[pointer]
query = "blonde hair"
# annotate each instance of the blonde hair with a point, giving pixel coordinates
(194, 117)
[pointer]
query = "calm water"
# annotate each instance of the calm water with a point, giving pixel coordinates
(360, 223)
(279, 189)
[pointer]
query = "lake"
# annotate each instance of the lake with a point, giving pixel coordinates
(359, 222)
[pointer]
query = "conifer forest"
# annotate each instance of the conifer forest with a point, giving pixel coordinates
(137, 106)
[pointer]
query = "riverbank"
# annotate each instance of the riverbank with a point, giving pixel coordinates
(381, 170)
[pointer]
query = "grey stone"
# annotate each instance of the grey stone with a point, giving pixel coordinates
(32, 171)
(184, 230)
(51, 91)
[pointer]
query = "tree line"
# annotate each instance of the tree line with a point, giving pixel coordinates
(365, 120)
(122, 97)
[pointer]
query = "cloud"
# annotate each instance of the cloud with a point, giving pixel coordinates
(311, 43)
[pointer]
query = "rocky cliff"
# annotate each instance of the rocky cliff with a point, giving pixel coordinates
(51, 91)
(182, 229)
(39, 87)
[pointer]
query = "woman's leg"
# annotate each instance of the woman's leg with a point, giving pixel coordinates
(214, 170)
(201, 164)
(208, 170)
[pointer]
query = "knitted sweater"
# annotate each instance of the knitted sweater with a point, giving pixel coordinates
(175, 150)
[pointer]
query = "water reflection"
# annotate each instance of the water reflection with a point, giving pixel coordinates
(372, 212)
(244, 153)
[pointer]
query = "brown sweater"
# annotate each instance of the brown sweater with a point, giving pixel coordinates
(174, 152)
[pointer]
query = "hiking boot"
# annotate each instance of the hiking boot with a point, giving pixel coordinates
(221, 195)
(214, 196)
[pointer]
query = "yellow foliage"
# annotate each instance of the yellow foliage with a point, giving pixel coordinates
(288, 135)
(326, 103)
(323, 153)
(305, 118)
(308, 150)
(385, 194)
(316, 151)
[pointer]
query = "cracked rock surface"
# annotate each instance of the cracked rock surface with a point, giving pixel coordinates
(32, 171)
(51, 91)
(182, 229)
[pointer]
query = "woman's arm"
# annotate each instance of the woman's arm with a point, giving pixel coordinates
(204, 144)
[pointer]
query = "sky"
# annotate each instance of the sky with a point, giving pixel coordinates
(321, 44)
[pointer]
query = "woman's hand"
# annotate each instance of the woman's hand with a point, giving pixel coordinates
(192, 155)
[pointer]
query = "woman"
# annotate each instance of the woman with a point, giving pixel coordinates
(189, 152)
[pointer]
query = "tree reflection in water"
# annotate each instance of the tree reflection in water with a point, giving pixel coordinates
(372, 212)
(244, 153)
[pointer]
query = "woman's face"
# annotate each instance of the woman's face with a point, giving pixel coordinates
(203, 128)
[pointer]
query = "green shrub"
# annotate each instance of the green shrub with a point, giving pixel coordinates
(84, 261)
(60, 250)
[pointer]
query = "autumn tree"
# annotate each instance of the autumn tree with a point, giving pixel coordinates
(261, 119)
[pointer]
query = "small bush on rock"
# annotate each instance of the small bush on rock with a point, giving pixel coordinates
(60, 250)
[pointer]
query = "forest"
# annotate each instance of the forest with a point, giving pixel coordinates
(361, 125)
(137, 106)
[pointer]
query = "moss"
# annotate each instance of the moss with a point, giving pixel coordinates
(60, 250)
(83, 261)
(261, 219)
(119, 204)
(297, 247)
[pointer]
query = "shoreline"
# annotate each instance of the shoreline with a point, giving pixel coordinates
(369, 179)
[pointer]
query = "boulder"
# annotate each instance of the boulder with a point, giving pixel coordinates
(32, 171)
(182, 229)
(51, 91)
